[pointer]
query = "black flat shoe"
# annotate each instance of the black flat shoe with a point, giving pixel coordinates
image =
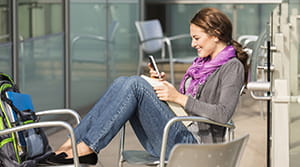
(60, 159)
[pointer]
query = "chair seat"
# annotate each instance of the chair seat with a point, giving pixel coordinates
(140, 158)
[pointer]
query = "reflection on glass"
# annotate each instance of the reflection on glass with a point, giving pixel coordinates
(41, 52)
(5, 38)
(5, 58)
(103, 46)
(123, 49)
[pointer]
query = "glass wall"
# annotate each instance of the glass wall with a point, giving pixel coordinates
(5, 37)
(41, 52)
(104, 45)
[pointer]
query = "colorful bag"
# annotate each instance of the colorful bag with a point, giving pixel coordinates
(24, 148)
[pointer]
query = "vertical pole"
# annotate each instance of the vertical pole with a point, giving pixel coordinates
(268, 105)
(141, 52)
(15, 41)
(67, 71)
(234, 22)
(107, 52)
(142, 10)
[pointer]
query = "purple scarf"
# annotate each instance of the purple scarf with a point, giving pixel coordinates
(202, 68)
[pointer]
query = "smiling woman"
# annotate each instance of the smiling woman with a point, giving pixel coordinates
(216, 74)
(205, 44)
(216, 26)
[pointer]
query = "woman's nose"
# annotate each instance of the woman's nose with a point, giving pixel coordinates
(193, 44)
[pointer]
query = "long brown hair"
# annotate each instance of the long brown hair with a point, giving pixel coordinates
(216, 23)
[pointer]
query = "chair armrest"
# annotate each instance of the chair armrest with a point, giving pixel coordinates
(60, 111)
(185, 118)
(151, 39)
(88, 36)
(168, 40)
(165, 39)
(48, 124)
(180, 36)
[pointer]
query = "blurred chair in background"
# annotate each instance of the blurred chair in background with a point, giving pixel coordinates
(153, 40)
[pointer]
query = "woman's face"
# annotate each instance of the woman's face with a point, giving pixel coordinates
(205, 44)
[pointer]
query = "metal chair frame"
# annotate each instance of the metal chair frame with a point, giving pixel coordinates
(226, 154)
(63, 124)
(161, 162)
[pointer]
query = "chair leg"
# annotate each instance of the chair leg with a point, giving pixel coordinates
(172, 72)
(171, 62)
(140, 63)
(230, 133)
(121, 148)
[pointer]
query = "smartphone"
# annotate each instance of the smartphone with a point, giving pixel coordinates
(153, 64)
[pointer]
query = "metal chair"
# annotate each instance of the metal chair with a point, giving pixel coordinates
(226, 154)
(42, 124)
(152, 40)
(77, 119)
(248, 41)
(144, 158)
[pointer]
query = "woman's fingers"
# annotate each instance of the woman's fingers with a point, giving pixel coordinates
(163, 91)
(166, 92)
(154, 74)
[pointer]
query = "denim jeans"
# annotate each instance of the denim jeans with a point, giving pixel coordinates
(133, 99)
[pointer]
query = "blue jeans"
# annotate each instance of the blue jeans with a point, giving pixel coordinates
(133, 99)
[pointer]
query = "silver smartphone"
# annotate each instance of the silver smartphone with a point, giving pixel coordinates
(153, 64)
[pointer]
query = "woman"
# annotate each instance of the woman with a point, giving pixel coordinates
(210, 88)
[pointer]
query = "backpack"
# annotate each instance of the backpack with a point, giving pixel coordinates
(23, 148)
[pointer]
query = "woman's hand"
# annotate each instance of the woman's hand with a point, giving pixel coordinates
(167, 92)
(153, 73)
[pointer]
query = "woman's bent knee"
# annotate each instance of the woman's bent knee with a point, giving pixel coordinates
(132, 82)
(121, 79)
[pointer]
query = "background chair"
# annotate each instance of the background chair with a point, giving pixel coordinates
(226, 154)
(152, 40)
(144, 158)
(248, 41)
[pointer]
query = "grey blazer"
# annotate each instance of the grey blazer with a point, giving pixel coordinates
(216, 100)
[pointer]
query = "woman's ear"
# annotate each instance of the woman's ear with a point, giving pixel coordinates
(216, 39)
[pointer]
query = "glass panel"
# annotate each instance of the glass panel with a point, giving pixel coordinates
(41, 52)
(100, 46)
(294, 12)
(5, 40)
(123, 47)
(88, 56)
(217, 1)
(5, 57)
